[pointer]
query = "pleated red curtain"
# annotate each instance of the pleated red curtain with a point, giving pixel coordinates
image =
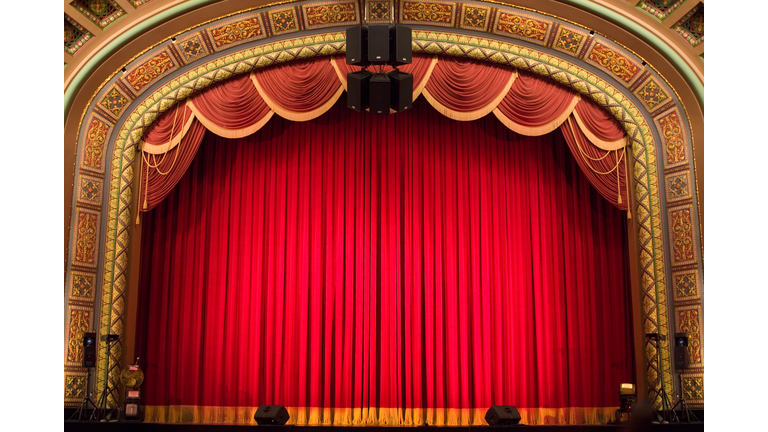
(384, 270)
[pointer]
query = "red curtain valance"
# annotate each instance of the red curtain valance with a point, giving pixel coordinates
(462, 89)
(534, 106)
(231, 109)
(300, 90)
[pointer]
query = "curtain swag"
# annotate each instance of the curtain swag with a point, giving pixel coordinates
(461, 89)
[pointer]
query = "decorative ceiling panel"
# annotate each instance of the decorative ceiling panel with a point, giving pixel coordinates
(691, 26)
(661, 9)
(138, 3)
(75, 35)
(101, 12)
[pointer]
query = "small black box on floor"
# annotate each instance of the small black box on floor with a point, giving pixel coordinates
(502, 416)
(378, 42)
(379, 94)
(357, 46)
(401, 97)
(275, 415)
(400, 45)
(357, 90)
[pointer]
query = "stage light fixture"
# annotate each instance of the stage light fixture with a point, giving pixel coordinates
(627, 401)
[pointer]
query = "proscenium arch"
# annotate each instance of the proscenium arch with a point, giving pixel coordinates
(647, 199)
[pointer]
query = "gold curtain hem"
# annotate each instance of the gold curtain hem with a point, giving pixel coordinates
(315, 416)
(601, 144)
(294, 115)
(165, 147)
(471, 115)
(225, 132)
(538, 130)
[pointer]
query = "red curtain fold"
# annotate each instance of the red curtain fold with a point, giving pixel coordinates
(606, 170)
(299, 86)
(600, 123)
(232, 104)
(161, 173)
(384, 270)
(533, 101)
(466, 85)
(418, 67)
(168, 125)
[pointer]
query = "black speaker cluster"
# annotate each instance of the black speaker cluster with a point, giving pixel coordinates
(379, 45)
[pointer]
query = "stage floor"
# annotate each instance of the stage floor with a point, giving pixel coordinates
(71, 426)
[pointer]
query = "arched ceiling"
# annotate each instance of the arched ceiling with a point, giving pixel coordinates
(102, 36)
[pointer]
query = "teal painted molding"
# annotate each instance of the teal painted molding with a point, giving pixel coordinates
(113, 46)
(650, 38)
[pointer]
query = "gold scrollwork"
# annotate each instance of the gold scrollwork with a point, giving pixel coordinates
(689, 324)
(94, 144)
(150, 70)
(78, 324)
(427, 12)
(522, 26)
(681, 233)
(236, 32)
(86, 238)
(670, 128)
(331, 14)
(614, 62)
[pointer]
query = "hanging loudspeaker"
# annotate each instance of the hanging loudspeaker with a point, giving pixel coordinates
(400, 45)
(379, 94)
(502, 416)
(357, 90)
(357, 46)
(402, 90)
(275, 415)
(378, 43)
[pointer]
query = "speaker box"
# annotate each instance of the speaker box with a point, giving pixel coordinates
(357, 90)
(402, 90)
(271, 415)
(400, 51)
(379, 94)
(681, 351)
(357, 46)
(502, 416)
(681, 357)
(89, 349)
(378, 42)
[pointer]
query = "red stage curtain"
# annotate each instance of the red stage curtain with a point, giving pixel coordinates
(384, 270)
